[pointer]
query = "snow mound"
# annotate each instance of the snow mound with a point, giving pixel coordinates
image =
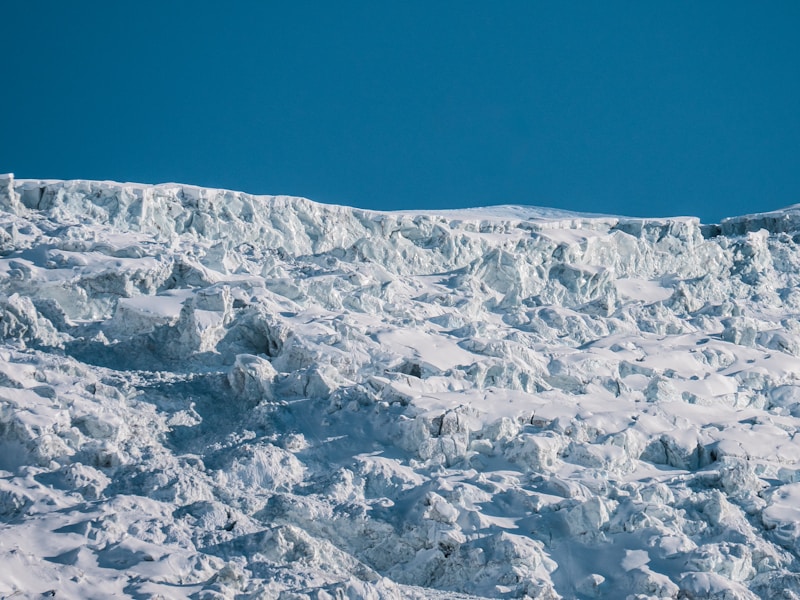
(209, 394)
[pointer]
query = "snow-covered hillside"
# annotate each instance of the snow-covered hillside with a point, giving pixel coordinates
(209, 394)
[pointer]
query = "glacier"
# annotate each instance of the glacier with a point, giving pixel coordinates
(210, 394)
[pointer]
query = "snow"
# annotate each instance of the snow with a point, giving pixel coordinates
(209, 394)
(645, 291)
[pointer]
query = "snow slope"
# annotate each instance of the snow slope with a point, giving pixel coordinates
(209, 394)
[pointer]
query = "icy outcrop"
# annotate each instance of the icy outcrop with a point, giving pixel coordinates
(267, 397)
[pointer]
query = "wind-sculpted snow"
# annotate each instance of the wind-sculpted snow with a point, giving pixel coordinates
(209, 394)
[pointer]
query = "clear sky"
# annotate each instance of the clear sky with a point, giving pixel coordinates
(638, 108)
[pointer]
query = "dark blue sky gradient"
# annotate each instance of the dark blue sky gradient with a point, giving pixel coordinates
(638, 108)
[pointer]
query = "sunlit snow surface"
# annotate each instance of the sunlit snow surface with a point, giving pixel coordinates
(213, 395)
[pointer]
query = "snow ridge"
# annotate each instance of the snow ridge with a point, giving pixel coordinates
(209, 394)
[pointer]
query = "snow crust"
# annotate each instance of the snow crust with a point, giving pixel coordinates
(209, 394)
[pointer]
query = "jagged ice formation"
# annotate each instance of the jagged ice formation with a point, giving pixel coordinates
(209, 394)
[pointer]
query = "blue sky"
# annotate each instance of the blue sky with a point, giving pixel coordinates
(639, 108)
